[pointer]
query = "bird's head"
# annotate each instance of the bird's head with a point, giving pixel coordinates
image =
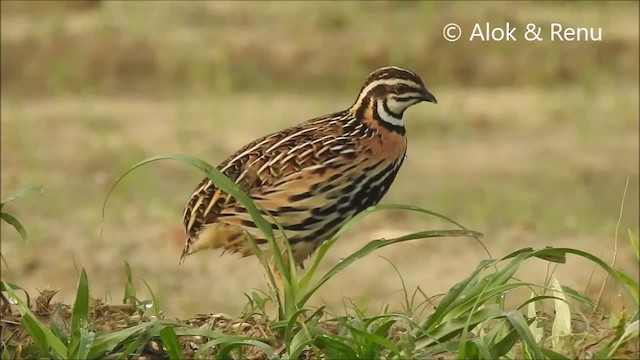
(389, 91)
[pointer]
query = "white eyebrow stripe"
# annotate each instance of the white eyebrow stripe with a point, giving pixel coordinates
(391, 82)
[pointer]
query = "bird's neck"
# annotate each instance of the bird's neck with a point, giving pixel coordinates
(376, 113)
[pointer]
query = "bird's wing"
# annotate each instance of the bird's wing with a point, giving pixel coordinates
(272, 170)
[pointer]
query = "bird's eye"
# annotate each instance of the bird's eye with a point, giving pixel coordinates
(400, 88)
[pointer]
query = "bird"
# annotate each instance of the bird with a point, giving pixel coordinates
(313, 177)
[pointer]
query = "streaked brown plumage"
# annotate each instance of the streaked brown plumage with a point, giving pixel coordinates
(312, 177)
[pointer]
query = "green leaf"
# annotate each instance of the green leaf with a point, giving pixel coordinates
(612, 272)
(15, 287)
(631, 283)
(335, 347)
(447, 330)
(374, 342)
(562, 321)
(38, 331)
(86, 341)
(374, 245)
(218, 178)
(583, 299)
(22, 193)
(505, 345)
(552, 355)
(229, 343)
(129, 289)
(452, 297)
(171, 343)
(633, 238)
(356, 220)
(225, 351)
(468, 350)
(520, 325)
(79, 317)
(631, 331)
(297, 345)
(57, 324)
(291, 323)
(105, 343)
(11, 220)
(154, 299)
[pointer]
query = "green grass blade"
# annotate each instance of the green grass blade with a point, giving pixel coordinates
(79, 316)
(468, 350)
(631, 331)
(57, 324)
(6, 354)
(520, 325)
(432, 351)
(297, 345)
(453, 296)
(15, 287)
(504, 275)
(483, 350)
(22, 193)
(505, 345)
(631, 283)
(218, 178)
(129, 289)
(84, 346)
(142, 338)
(130, 349)
(335, 346)
(107, 342)
(171, 343)
(451, 328)
(11, 220)
(383, 330)
(552, 355)
(374, 245)
(582, 298)
(305, 280)
(225, 351)
(356, 220)
(211, 334)
(289, 330)
(33, 328)
(154, 298)
(38, 331)
(633, 239)
(612, 272)
(373, 342)
(230, 342)
(538, 298)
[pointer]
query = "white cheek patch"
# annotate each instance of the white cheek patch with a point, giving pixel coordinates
(399, 106)
(386, 117)
(396, 107)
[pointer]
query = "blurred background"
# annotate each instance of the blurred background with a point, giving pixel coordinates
(531, 143)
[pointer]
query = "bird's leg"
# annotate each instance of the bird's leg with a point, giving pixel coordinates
(277, 276)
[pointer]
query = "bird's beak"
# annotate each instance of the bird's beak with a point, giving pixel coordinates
(427, 96)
